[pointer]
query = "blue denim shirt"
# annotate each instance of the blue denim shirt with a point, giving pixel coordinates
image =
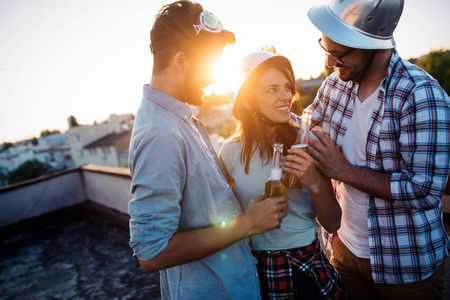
(178, 185)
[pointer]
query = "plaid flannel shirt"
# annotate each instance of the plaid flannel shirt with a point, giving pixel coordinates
(276, 269)
(409, 137)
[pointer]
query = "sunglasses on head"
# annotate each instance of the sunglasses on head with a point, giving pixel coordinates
(208, 22)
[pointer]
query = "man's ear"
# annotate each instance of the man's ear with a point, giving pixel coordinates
(180, 62)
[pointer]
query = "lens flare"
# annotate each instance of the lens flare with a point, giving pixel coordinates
(226, 73)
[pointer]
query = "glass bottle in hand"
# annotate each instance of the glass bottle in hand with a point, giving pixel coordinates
(275, 184)
(290, 180)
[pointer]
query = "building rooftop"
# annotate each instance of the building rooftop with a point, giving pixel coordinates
(109, 139)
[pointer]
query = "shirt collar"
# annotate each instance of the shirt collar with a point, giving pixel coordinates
(392, 64)
(168, 102)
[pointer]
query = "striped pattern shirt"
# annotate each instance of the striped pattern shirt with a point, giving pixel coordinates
(408, 137)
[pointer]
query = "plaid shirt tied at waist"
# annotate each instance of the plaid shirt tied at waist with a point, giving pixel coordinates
(277, 266)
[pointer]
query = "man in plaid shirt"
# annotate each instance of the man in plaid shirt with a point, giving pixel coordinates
(385, 133)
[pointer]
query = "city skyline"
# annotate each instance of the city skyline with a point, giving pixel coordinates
(90, 58)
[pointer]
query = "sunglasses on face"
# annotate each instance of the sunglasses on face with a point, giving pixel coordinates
(337, 58)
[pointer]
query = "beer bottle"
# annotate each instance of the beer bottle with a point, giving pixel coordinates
(275, 184)
(290, 180)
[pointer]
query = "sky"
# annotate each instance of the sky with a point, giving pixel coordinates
(90, 58)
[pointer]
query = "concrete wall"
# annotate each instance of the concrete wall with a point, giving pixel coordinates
(108, 186)
(103, 156)
(39, 196)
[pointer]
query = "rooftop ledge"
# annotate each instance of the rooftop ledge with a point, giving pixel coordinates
(91, 185)
(105, 190)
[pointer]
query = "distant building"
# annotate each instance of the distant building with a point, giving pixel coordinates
(12, 158)
(54, 150)
(63, 151)
(53, 139)
(58, 157)
(51, 149)
(82, 135)
(110, 150)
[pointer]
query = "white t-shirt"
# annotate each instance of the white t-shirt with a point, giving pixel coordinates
(354, 203)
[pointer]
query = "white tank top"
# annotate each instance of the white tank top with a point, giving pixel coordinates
(354, 203)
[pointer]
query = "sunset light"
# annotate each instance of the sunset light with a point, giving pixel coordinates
(211, 149)
(90, 59)
(227, 73)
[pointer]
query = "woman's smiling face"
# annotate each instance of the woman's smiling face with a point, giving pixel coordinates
(274, 95)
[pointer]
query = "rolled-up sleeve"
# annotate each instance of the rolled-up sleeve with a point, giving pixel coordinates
(424, 140)
(158, 178)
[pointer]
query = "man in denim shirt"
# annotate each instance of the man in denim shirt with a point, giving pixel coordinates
(185, 221)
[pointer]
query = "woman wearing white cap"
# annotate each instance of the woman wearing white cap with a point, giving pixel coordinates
(291, 263)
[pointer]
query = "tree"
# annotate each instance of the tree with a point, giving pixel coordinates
(437, 64)
(6, 146)
(270, 49)
(28, 170)
(305, 98)
(46, 132)
(228, 129)
(73, 122)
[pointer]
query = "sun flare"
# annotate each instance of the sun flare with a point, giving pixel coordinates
(226, 73)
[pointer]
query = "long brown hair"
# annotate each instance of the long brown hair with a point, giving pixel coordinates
(252, 127)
